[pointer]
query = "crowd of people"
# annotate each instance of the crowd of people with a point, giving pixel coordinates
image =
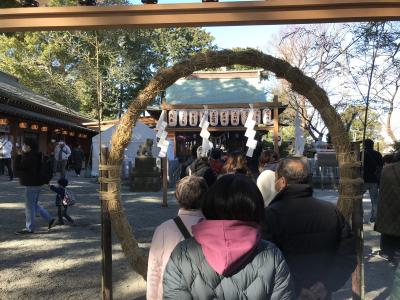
(241, 234)
(36, 169)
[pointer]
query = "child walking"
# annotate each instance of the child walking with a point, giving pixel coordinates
(61, 201)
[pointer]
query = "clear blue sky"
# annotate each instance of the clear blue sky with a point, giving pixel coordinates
(235, 36)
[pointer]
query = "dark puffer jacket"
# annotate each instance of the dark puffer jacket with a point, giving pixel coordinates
(28, 167)
(388, 219)
(313, 236)
(189, 276)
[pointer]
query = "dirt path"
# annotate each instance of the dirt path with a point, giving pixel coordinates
(65, 262)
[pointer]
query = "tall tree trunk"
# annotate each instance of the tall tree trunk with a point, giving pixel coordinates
(350, 182)
(389, 123)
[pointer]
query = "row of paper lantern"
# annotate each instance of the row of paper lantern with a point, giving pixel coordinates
(218, 117)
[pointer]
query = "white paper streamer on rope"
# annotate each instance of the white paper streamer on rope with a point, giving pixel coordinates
(205, 134)
(164, 149)
(162, 135)
(250, 122)
(160, 121)
(172, 118)
(193, 118)
(201, 115)
(224, 117)
(250, 132)
(235, 117)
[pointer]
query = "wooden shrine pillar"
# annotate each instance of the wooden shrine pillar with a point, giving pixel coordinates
(106, 238)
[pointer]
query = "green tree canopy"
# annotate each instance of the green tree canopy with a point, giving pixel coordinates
(70, 67)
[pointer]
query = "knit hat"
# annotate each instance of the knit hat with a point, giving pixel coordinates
(63, 182)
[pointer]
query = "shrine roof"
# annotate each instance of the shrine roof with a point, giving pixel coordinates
(21, 96)
(219, 87)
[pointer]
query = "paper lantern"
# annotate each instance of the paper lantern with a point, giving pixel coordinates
(3, 121)
(23, 125)
(44, 128)
(224, 117)
(235, 117)
(183, 118)
(213, 117)
(34, 126)
(64, 132)
(243, 115)
(257, 116)
(266, 116)
(172, 118)
(71, 133)
(193, 117)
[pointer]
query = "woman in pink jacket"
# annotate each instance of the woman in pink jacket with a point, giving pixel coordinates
(189, 193)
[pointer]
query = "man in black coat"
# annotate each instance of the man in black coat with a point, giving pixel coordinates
(372, 168)
(28, 163)
(312, 234)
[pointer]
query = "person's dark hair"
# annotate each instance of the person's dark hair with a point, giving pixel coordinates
(194, 151)
(190, 192)
(368, 144)
(294, 170)
(264, 158)
(216, 153)
(388, 158)
(63, 182)
(31, 143)
(236, 163)
(234, 197)
(275, 156)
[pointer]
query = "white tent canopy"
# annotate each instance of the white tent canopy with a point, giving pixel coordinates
(140, 133)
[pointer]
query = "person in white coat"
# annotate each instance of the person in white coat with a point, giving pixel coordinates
(5, 155)
(266, 185)
(189, 193)
(61, 155)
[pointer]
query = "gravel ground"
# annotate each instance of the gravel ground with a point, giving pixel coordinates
(65, 262)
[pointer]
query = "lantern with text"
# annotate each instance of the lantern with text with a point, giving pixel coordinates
(267, 116)
(23, 125)
(235, 117)
(183, 118)
(213, 117)
(257, 116)
(193, 118)
(224, 117)
(243, 115)
(44, 128)
(172, 118)
(3, 121)
(34, 126)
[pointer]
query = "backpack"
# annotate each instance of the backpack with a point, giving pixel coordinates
(46, 169)
(69, 198)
